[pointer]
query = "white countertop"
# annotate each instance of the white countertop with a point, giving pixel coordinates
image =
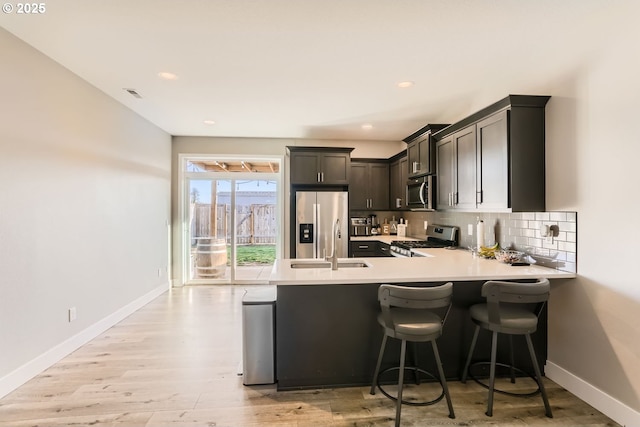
(438, 265)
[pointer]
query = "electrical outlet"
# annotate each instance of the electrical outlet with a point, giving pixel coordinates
(72, 314)
(426, 224)
(159, 272)
(470, 230)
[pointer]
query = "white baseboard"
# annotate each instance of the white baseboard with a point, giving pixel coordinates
(608, 405)
(24, 373)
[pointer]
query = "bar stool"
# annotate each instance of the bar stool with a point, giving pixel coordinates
(411, 314)
(505, 313)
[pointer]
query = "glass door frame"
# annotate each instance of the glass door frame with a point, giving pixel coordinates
(183, 200)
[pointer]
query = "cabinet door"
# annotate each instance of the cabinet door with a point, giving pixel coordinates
(384, 250)
(413, 156)
(398, 176)
(444, 173)
(335, 168)
(378, 186)
(402, 188)
(304, 168)
(424, 150)
(394, 185)
(359, 186)
(465, 168)
(493, 162)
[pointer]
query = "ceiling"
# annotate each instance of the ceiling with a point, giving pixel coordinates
(316, 69)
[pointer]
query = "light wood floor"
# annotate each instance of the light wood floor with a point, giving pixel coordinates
(176, 361)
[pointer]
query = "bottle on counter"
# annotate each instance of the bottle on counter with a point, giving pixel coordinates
(393, 226)
(402, 228)
(386, 229)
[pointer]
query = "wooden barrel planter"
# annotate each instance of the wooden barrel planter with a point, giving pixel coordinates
(211, 258)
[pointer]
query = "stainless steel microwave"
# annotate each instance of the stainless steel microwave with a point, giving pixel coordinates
(421, 193)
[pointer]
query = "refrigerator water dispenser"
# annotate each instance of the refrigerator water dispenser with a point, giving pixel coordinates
(306, 233)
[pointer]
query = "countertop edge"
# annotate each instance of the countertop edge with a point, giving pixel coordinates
(440, 266)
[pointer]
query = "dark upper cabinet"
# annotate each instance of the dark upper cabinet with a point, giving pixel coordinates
(456, 170)
(369, 186)
(464, 149)
(445, 172)
(320, 165)
(420, 151)
(494, 160)
(398, 176)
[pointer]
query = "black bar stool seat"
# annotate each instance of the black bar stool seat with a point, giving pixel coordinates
(411, 314)
(507, 311)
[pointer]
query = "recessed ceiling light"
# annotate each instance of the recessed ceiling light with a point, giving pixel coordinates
(367, 126)
(165, 75)
(405, 84)
(209, 122)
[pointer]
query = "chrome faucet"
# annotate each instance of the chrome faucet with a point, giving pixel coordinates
(334, 252)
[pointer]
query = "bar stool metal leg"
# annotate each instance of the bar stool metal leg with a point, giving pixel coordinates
(465, 372)
(443, 380)
(492, 373)
(375, 374)
(512, 370)
(403, 351)
(543, 392)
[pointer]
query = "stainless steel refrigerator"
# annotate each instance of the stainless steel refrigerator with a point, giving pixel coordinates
(316, 214)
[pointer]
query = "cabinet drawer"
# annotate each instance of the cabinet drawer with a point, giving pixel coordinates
(363, 249)
(362, 246)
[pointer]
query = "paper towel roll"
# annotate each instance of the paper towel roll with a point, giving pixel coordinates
(480, 233)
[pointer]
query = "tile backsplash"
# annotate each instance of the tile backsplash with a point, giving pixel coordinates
(520, 231)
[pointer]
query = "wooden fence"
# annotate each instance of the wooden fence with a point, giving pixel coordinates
(256, 224)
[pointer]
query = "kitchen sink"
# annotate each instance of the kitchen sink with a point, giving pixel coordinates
(353, 264)
(318, 263)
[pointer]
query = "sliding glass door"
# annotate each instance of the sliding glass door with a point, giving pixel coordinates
(232, 218)
(209, 230)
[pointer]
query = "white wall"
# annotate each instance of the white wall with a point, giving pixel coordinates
(593, 147)
(84, 205)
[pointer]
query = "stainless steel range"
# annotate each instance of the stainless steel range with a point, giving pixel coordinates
(438, 236)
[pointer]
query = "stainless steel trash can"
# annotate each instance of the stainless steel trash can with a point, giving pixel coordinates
(258, 336)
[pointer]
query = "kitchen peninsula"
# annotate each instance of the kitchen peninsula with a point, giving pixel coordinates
(326, 329)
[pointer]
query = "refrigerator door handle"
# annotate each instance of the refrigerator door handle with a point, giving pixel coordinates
(316, 222)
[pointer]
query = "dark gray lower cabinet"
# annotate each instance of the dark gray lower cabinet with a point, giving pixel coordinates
(363, 248)
(369, 248)
(384, 249)
(328, 336)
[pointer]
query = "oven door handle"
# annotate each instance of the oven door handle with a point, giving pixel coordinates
(421, 193)
(396, 253)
